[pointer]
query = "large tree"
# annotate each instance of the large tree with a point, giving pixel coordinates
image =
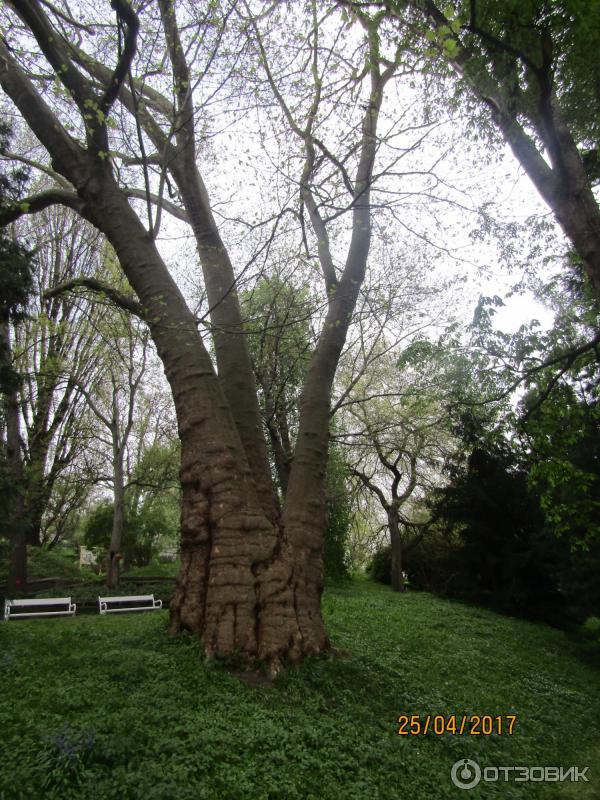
(251, 572)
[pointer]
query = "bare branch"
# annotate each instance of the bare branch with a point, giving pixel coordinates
(119, 299)
(172, 208)
(30, 162)
(38, 202)
(127, 14)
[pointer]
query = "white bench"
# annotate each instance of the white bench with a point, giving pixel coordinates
(40, 607)
(144, 602)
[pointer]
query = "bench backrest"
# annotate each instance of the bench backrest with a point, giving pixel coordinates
(43, 601)
(142, 598)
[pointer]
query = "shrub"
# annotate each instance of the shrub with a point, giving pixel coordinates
(380, 566)
(590, 629)
(141, 532)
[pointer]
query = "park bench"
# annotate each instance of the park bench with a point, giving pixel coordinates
(40, 607)
(113, 605)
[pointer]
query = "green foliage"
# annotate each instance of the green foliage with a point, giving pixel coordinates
(555, 434)
(156, 476)
(110, 708)
(589, 634)
(277, 323)
(591, 628)
(60, 562)
(15, 259)
(564, 31)
(156, 569)
(380, 566)
(579, 580)
(506, 556)
(142, 531)
(564, 434)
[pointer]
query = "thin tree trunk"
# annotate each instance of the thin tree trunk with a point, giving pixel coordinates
(114, 553)
(36, 497)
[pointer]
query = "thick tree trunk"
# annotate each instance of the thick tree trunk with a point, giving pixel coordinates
(236, 589)
(17, 576)
(396, 544)
(304, 513)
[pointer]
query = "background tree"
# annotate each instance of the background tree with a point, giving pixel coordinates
(534, 67)
(15, 284)
(553, 420)
(398, 441)
(281, 342)
(113, 403)
(56, 346)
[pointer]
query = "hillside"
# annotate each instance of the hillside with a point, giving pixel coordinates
(111, 708)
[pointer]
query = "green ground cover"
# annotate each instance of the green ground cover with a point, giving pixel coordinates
(111, 707)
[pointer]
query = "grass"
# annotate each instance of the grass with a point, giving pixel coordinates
(61, 563)
(156, 569)
(110, 708)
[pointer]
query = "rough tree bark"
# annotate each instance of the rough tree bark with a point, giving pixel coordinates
(251, 578)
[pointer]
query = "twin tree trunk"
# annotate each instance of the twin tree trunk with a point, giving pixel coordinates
(249, 584)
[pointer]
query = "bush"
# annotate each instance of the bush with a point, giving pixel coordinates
(433, 565)
(141, 532)
(590, 629)
(380, 566)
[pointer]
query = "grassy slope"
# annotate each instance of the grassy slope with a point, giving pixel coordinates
(111, 708)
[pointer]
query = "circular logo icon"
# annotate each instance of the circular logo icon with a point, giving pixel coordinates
(466, 773)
